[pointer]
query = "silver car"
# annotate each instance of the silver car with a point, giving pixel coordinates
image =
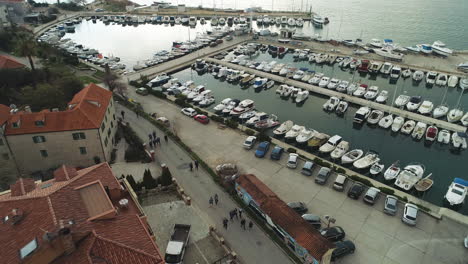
(410, 214)
(391, 205)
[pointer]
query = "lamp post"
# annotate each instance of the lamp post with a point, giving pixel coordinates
(329, 220)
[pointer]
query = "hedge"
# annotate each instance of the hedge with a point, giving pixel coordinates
(249, 132)
(158, 94)
(262, 136)
(386, 190)
(217, 118)
(231, 123)
(200, 111)
(291, 150)
(322, 163)
(361, 180)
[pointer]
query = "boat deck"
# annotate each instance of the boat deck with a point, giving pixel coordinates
(351, 99)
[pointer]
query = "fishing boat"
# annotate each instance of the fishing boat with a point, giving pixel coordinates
(368, 160)
(402, 100)
(408, 127)
(457, 192)
(440, 111)
(397, 123)
(375, 117)
(341, 108)
(418, 76)
(409, 176)
(352, 156)
(283, 128)
(386, 121)
(340, 150)
(331, 104)
(424, 184)
(419, 130)
(444, 136)
(431, 133)
(392, 172)
(459, 140)
(376, 168)
(293, 132)
(317, 140)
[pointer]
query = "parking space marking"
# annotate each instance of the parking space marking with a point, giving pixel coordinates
(201, 253)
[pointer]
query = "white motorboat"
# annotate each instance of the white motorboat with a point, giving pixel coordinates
(342, 107)
(431, 133)
(299, 22)
(408, 127)
(414, 49)
(302, 96)
(318, 20)
(219, 108)
(342, 86)
(352, 156)
(386, 121)
(456, 193)
(382, 98)
(294, 91)
(376, 168)
(360, 91)
(316, 78)
(340, 150)
(247, 115)
(444, 136)
(368, 160)
(259, 116)
(305, 135)
(389, 54)
(331, 144)
(397, 123)
(463, 83)
(291, 22)
(361, 114)
(333, 83)
(331, 104)
(409, 176)
(459, 140)
(425, 48)
(259, 83)
(463, 67)
(371, 93)
(271, 121)
(441, 49)
(230, 107)
(395, 72)
(324, 81)
(269, 84)
(195, 92)
(419, 130)
(207, 101)
(284, 20)
(454, 115)
(293, 132)
(406, 73)
(426, 107)
(392, 172)
(321, 58)
(214, 21)
(201, 96)
(298, 75)
(244, 106)
(414, 103)
(464, 119)
(418, 76)
(317, 140)
(377, 43)
(375, 117)
(452, 81)
(440, 111)
(441, 79)
(386, 68)
(352, 88)
(283, 128)
(375, 67)
(431, 77)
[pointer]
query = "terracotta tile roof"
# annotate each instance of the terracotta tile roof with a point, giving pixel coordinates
(86, 111)
(4, 114)
(283, 216)
(7, 62)
(114, 240)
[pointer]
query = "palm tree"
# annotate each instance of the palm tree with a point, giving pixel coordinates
(27, 47)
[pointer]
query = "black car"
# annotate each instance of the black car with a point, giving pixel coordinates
(299, 207)
(333, 234)
(343, 248)
(356, 190)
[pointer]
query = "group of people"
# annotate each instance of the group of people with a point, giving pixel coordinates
(237, 214)
(153, 140)
(194, 164)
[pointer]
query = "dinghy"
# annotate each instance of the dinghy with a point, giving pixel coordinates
(352, 156)
(392, 172)
(376, 169)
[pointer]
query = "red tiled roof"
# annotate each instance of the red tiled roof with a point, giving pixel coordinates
(86, 111)
(7, 62)
(4, 114)
(123, 237)
(282, 215)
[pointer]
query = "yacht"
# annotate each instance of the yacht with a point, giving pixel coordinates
(360, 91)
(259, 82)
(362, 114)
(452, 81)
(331, 144)
(457, 192)
(386, 68)
(368, 160)
(283, 128)
(392, 172)
(331, 104)
(414, 103)
(247, 115)
(425, 48)
(441, 79)
(340, 150)
(259, 116)
(375, 117)
(426, 107)
(444, 136)
(244, 106)
(342, 86)
(382, 98)
(318, 20)
(377, 43)
(397, 123)
(324, 81)
(408, 126)
(419, 130)
(389, 54)
(293, 132)
(409, 176)
(440, 49)
(333, 84)
(418, 76)
(305, 135)
(298, 75)
(316, 78)
(352, 156)
(431, 77)
(402, 100)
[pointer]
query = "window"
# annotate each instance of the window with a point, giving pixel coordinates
(83, 150)
(105, 142)
(44, 153)
(108, 110)
(113, 115)
(78, 136)
(28, 249)
(39, 123)
(6, 156)
(1, 142)
(106, 118)
(108, 132)
(39, 139)
(15, 124)
(112, 124)
(103, 126)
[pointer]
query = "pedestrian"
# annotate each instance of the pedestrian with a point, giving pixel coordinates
(235, 213)
(151, 144)
(154, 134)
(123, 114)
(231, 215)
(211, 201)
(240, 212)
(158, 140)
(190, 166)
(165, 138)
(225, 223)
(250, 224)
(150, 136)
(137, 114)
(243, 223)
(216, 198)
(196, 164)
(154, 142)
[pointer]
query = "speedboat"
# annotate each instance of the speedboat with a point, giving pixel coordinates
(418, 76)
(425, 48)
(371, 93)
(431, 77)
(426, 107)
(414, 103)
(352, 156)
(230, 107)
(406, 73)
(283, 128)
(397, 123)
(305, 135)
(459, 140)
(409, 176)
(457, 192)
(298, 75)
(259, 82)
(419, 130)
(440, 49)
(333, 84)
(463, 84)
(452, 81)
(324, 81)
(317, 140)
(440, 111)
(293, 132)
(368, 160)
(375, 117)
(302, 96)
(444, 136)
(331, 104)
(361, 114)
(441, 79)
(342, 86)
(408, 126)
(376, 168)
(386, 68)
(219, 107)
(392, 172)
(351, 88)
(316, 79)
(269, 84)
(341, 108)
(383, 95)
(360, 91)
(340, 150)
(454, 115)
(395, 72)
(386, 121)
(464, 119)
(431, 133)
(207, 101)
(331, 144)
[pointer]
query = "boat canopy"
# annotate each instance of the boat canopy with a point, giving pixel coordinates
(388, 41)
(461, 182)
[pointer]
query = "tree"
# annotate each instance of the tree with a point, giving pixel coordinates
(46, 96)
(166, 176)
(26, 47)
(148, 181)
(132, 182)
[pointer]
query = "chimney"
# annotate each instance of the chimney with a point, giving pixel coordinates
(22, 186)
(65, 173)
(27, 109)
(67, 240)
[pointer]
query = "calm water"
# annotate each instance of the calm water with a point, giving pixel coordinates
(438, 159)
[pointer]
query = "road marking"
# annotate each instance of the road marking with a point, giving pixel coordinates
(201, 253)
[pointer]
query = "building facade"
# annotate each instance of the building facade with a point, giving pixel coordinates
(8, 169)
(15, 10)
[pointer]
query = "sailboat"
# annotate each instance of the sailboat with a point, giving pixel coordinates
(455, 114)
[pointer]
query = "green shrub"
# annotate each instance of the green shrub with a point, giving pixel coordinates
(181, 102)
(158, 94)
(422, 207)
(134, 83)
(166, 177)
(217, 118)
(231, 123)
(386, 190)
(249, 132)
(200, 111)
(326, 164)
(361, 180)
(291, 150)
(262, 136)
(340, 170)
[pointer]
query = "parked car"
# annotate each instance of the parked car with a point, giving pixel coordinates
(249, 142)
(340, 182)
(276, 153)
(188, 111)
(262, 149)
(307, 168)
(141, 91)
(292, 160)
(202, 119)
(323, 175)
(356, 190)
(312, 219)
(371, 195)
(299, 207)
(342, 249)
(410, 214)
(391, 204)
(334, 233)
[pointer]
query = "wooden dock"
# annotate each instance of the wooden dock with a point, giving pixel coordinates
(351, 99)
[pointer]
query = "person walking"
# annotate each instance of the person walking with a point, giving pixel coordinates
(158, 140)
(211, 201)
(123, 114)
(154, 134)
(231, 215)
(240, 212)
(137, 114)
(243, 223)
(235, 213)
(191, 167)
(225, 223)
(150, 136)
(154, 142)
(196, 164)
(151, 144)
(250, 224)
(165, 138)
(216, 199)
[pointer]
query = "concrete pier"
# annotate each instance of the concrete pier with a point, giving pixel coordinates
(351, 99)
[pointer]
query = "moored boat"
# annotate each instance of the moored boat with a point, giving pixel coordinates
(409, 176)
(283, 128)
(368, 160)
(352, 156)
(392, 172)
(457, 192)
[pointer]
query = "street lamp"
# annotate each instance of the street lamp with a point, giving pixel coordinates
(329, 220)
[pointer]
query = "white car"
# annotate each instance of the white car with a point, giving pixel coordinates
(189, 111)
(292, 161)
(410, 214)
(249, 142)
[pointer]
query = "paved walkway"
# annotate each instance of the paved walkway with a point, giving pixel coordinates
(253, 246)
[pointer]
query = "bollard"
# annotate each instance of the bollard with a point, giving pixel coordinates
(234, 254)
(221, 240)
(188, 201)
